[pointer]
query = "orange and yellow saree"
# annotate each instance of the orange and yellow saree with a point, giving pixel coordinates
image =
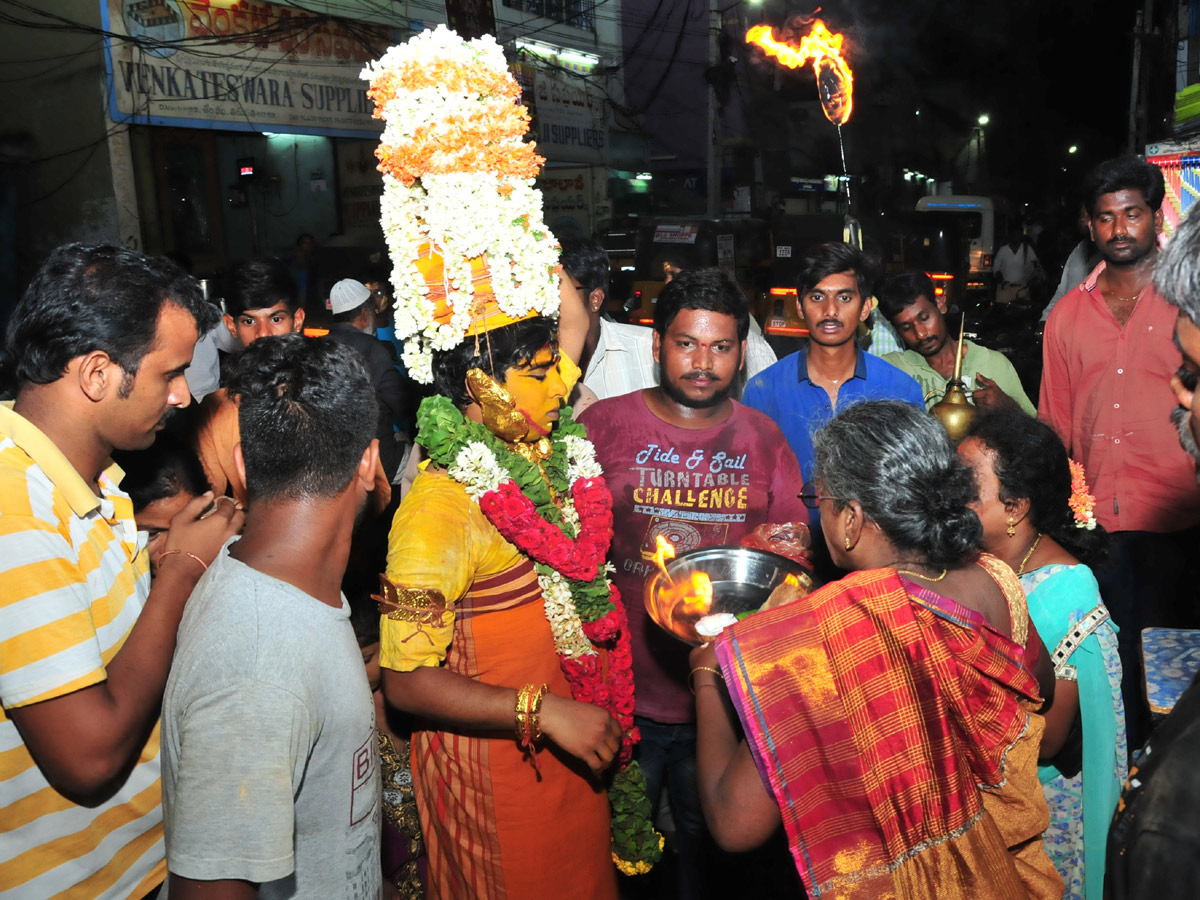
(494, 826)
(894, 728)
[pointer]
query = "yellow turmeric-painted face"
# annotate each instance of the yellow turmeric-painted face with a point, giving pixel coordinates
(538, 390)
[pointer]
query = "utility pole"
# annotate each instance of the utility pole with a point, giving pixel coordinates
(714, 157)
(1133, 83)
(1139, 85)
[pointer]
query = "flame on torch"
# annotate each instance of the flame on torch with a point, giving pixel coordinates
(835, 81)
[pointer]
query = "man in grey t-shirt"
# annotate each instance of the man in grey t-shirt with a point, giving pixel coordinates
(270, 766)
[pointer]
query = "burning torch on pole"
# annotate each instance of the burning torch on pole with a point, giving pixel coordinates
(835, 86)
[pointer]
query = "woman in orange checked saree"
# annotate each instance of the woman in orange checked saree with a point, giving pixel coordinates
(890, 717)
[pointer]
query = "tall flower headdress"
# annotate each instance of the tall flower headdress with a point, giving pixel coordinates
(463, 222)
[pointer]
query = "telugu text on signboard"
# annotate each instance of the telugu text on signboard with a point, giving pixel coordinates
(570, 121)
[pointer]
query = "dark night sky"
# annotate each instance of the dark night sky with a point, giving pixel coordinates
(1049, 74)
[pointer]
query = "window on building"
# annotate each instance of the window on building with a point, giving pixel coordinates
(576, 13)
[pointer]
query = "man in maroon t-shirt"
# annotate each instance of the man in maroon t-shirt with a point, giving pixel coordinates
(686, 462)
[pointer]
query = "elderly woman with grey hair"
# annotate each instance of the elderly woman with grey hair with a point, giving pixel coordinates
(889, 718)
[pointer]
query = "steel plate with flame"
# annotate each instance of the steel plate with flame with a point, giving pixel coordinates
(713, 580)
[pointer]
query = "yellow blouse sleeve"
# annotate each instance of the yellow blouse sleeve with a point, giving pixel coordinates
(439, 544)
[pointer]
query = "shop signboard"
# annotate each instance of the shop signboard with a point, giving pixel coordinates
(569, 200)
(570, 121)
(360, 187)
(240, 65)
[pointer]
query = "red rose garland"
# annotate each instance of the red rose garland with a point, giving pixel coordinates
(516, 518)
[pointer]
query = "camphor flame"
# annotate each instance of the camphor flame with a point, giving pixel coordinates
(835, 81)
(692, 597)
(697, 594)
(664, 551)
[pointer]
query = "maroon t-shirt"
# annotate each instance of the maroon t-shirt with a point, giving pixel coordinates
(696, 488)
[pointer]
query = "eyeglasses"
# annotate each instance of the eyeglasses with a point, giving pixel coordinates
(812, 499)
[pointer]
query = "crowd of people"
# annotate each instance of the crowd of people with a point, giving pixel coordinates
(253, 649)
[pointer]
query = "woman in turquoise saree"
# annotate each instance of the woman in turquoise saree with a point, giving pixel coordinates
(1036, 516)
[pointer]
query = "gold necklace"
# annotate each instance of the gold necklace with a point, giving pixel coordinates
(929, 578)
(1134, 297)
(1028, 553)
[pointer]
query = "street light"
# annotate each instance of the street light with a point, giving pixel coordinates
(983, 120)
(1073, 149)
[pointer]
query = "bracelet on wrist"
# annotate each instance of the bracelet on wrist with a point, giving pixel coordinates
(535, 721)
(692, 675)
(527, 725)
(166, 553)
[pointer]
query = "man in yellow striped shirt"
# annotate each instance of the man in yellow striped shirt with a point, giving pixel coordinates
(99, 343)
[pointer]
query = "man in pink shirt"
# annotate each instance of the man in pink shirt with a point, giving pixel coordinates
(1108, 356)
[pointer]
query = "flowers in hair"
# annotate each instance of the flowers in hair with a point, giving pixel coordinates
(1082, 503)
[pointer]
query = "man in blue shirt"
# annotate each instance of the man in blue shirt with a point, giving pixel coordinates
(805, 390)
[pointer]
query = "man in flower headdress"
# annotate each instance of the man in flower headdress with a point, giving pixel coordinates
(500, 630)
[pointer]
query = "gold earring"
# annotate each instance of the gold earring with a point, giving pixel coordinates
(1012, 523)
(499, 410)
(846, 541)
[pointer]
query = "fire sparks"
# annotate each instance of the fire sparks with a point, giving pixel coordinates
(835, 81)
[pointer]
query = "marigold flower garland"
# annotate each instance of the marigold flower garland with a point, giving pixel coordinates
(568, 546)
(1082, 502)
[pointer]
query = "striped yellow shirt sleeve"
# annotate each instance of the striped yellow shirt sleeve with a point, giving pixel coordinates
(49, 644)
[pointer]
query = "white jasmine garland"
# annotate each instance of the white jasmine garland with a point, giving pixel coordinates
(569, 639)
(581, 458)
(570, 517)
(477, 469)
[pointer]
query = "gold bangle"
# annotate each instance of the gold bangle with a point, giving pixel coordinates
(692, 675)
(524, 696)
(535, 708)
